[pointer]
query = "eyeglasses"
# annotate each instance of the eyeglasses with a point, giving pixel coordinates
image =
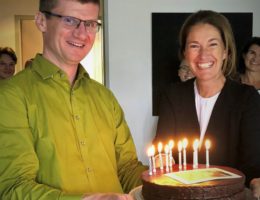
(91, 26)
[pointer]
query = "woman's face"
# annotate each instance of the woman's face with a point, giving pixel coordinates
(252, 58)
(205, 52)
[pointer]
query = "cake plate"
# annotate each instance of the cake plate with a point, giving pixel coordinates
(136, 193)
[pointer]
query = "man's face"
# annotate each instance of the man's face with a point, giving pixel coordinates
(65, 46)
(7, 66)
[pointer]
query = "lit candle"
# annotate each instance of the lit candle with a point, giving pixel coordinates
(171, 145)
(207, 145)
(149, 153)
(166, 151)
(184, 146)
(179, 149)
(195, 153)
(160, 155)
(153, 158)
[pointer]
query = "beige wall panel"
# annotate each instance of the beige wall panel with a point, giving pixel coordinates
(31, 40)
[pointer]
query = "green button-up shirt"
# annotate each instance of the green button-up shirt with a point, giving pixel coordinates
(60, 142)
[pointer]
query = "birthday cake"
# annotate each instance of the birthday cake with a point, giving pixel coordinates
(214, 183)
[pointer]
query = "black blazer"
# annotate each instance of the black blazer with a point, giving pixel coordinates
(233, 129)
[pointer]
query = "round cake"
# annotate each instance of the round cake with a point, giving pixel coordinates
(159, 186)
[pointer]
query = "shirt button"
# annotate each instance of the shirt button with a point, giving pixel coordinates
(82, 142)
(77, 117)
(89, 170)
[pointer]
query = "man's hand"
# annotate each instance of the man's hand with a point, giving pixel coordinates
(110, 196)
(255, 187)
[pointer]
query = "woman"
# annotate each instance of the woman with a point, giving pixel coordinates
(250, 63)
(8, 61)
(212, 105)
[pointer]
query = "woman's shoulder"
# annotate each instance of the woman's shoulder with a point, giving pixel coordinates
(239, 86)
(240, 91)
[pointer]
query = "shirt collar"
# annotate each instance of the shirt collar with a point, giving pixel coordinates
(47, 69)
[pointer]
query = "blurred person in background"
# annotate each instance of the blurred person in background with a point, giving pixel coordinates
(184, 71)
(249, 65)
(8, 61)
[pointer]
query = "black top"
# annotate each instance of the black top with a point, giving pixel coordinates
(233, 129)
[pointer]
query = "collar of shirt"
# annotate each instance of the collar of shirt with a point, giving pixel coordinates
(47, 69)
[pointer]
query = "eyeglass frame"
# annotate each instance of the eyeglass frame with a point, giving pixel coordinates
(76, 19)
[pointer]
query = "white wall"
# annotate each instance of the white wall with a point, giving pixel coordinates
(128, 54)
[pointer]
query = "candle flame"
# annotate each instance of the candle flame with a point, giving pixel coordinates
(207, 144)
(166, 149)
(149, 152)
(171, 144)
(184, 143)
(152, 150)
(196, 144)
(160, 147)
(179, 145)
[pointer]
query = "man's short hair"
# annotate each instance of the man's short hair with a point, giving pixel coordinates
(8, 51)
(48, 5)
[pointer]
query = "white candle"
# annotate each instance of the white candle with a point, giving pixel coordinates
(153, 158)
(160, 146)
(149, 153)
(184, 146)
(166, 151)
(195, 153)
(179, 149)
(207, 145)
(171, 145)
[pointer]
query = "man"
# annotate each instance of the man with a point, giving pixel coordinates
(63, 135)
